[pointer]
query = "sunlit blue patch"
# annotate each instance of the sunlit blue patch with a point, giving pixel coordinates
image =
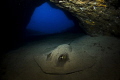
(48, 20)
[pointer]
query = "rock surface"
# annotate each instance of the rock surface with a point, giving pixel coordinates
(97, 17)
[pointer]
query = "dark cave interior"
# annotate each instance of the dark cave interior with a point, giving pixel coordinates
(17, 15)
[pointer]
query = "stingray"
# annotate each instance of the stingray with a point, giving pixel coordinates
(64, 60)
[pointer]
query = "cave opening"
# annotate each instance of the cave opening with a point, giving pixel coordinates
(49, 19)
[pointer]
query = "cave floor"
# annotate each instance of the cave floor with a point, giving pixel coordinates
(19, 64)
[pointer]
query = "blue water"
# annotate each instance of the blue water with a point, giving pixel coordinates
(49, 20)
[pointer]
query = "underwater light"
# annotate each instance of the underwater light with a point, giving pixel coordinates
(49, 20)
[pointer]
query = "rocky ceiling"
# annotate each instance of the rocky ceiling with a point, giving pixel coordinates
(97, 17)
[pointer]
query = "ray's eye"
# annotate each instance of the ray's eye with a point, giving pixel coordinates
(63, 58)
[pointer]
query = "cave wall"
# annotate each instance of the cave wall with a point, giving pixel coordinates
(15, 17)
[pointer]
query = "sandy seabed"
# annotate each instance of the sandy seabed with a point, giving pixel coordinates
(90, 58)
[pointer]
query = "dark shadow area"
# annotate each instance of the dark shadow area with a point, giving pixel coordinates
(15, 17)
